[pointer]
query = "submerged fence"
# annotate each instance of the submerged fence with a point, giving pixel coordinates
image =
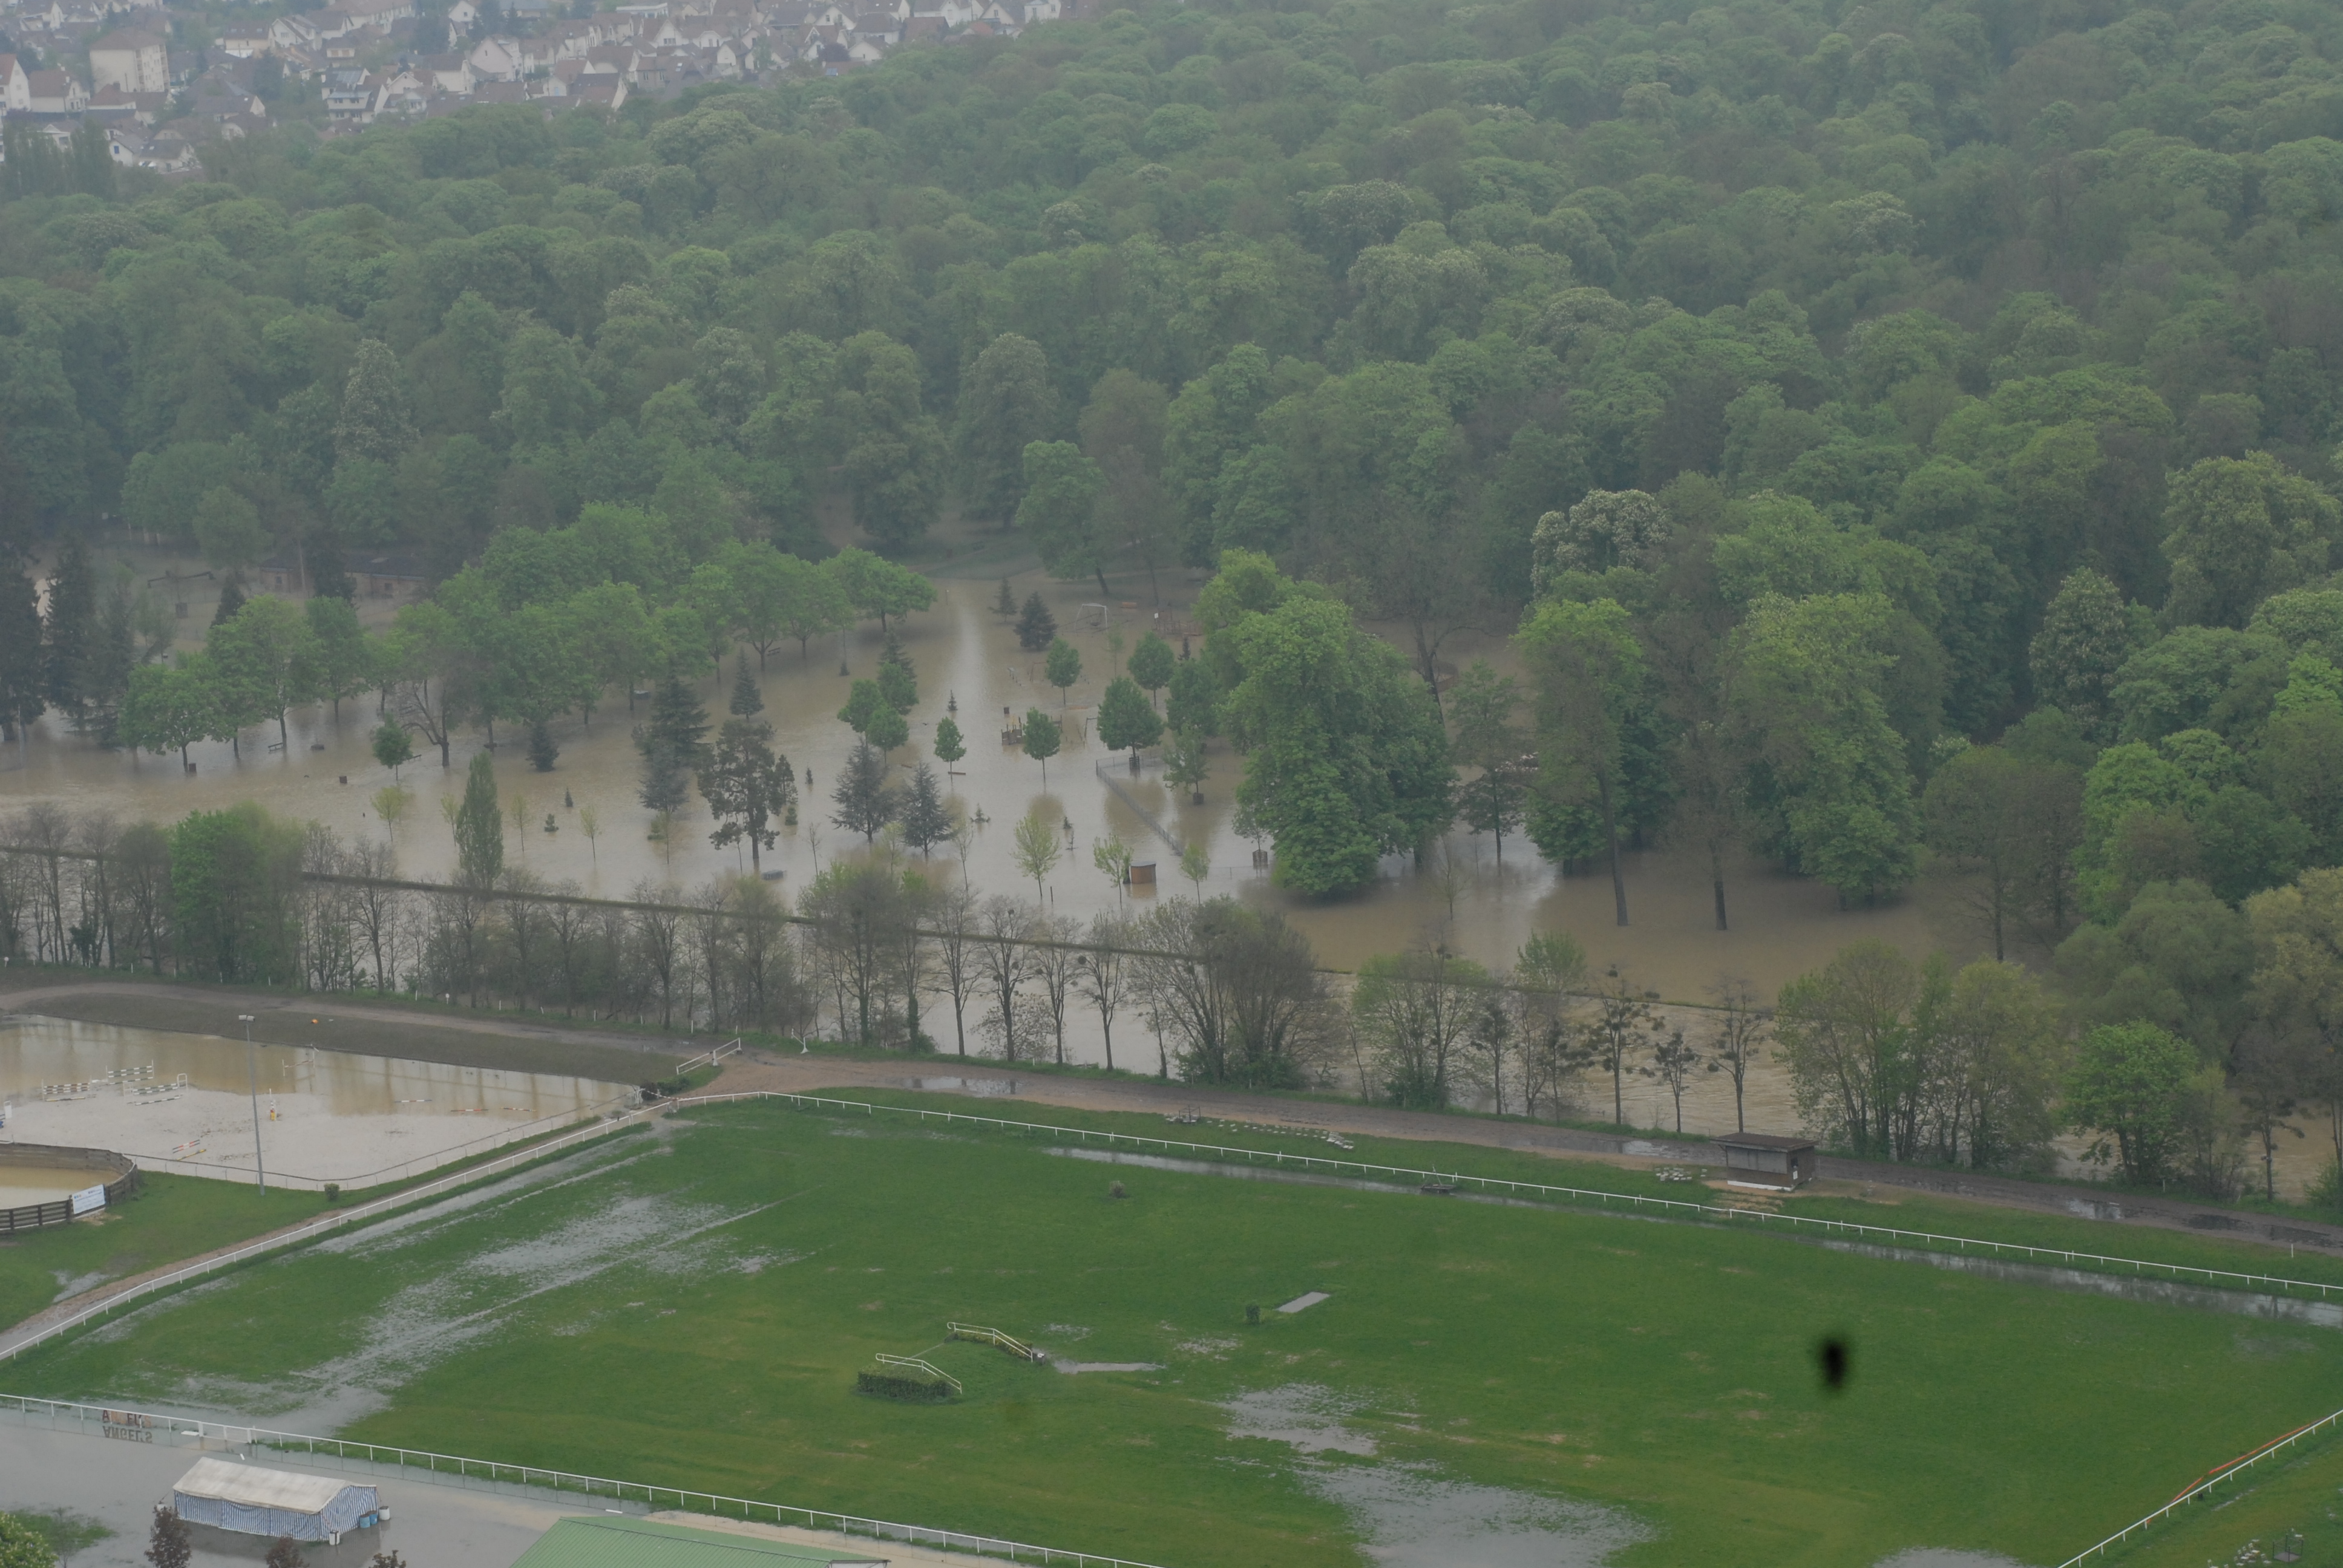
(376, 1458)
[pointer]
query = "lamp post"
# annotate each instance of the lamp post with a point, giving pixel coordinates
(252, 1064)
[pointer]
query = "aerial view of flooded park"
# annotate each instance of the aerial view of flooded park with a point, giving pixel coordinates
(1529, 784)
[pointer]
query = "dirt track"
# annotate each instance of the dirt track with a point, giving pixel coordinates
(549, 1047)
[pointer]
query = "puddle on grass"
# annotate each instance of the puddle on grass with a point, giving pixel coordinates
(424, 1322)
(1107, 1366)
(1939, 1557)
(2165, 1293)
(1413, 1516)
(2204, 1298)
(1307, 1416)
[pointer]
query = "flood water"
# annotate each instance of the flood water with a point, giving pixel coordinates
(1484, 905)
(185, 1103)
(22, 1185)
(965, 653)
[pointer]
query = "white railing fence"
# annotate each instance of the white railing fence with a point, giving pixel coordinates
(2227, 1279)
(708, 1058)
(2213, 1478)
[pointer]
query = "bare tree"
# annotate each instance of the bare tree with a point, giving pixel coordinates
(1056, 965)
(954, 920)
(1005, 963)
(1735, 1036)
(1674, 1061)
(1624, 1020)
(654, 939)
(1107, 975)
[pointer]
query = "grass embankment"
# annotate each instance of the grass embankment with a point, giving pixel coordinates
(2288, 1503)
(694, 1311)
(169, 1218)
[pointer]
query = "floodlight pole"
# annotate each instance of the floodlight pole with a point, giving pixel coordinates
(252, 1065)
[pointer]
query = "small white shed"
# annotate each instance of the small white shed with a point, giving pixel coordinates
(256, 1501)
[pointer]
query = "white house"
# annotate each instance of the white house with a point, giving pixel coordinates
(133, 62)
(15, 87)
(58, 92)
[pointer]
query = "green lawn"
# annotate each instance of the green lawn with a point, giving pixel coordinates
(170, 1218)
(690, 1306)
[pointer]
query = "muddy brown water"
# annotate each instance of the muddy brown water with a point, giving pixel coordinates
(1485, 904)
(1488, 907)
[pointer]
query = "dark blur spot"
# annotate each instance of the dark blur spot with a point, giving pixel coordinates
(1833, 1357)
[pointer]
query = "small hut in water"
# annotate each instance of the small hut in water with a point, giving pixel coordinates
(1762, 1160)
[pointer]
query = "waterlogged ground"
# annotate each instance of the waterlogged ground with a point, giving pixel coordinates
(966, 654)
(1484, 1383)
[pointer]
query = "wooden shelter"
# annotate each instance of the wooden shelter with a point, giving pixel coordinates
(1764, 1159)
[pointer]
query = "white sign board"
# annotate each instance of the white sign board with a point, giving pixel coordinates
(89, 1200)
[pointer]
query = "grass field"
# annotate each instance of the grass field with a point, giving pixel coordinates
(170, 1218)
(689, 1305)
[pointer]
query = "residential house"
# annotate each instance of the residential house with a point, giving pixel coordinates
(603, 92)
(290, 32)
(246, 41)
(379, 13)
(447, 73)
(56, 93)
(352, 96)
(15, 87)
(133, 62)
(463, 15)
(496, 60)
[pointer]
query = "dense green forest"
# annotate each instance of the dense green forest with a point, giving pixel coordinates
(1896, 430)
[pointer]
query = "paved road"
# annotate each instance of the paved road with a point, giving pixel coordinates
(118, 1484)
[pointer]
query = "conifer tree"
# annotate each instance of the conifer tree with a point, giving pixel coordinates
(24, 679)
(926, 820)
(1036, 627)
(479, 827)
(747, 700)
(670, 742)
(866, 801)
(72, 627)
(374, 424)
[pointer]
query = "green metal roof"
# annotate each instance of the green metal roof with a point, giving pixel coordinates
(615, 1541)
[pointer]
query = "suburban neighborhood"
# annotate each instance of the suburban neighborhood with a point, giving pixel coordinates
(160, 84)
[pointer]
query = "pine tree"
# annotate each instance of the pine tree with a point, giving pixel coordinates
(671, 743)
(72, 627)
(866, 801)
(480, 828)
(374, 424)
(24, 679)
(1036, 627)
(541, 749)
(1005, 605)
(747, 700)
(899, 683)
(231, 599)
(926, 820)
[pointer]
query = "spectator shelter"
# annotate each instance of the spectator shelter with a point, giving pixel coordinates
(1762, 1160)
(251, 1501)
